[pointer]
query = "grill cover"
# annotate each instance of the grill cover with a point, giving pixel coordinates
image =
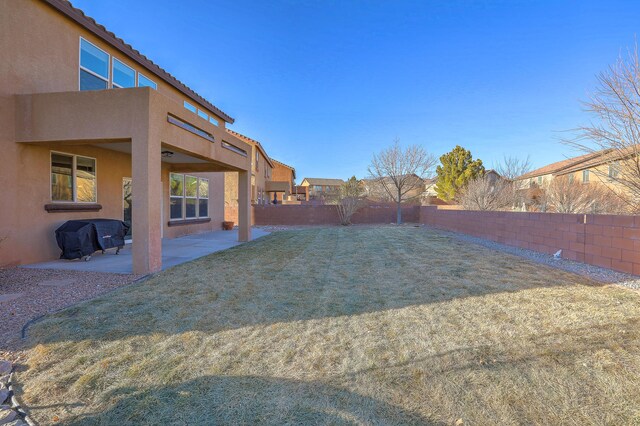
(77, 238)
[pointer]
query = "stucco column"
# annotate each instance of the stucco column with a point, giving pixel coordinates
(244, 206)
(146, 195)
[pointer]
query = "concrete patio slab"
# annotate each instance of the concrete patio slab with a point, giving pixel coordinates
(174, 252)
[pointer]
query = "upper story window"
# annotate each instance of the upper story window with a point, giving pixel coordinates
(123, 75)
(257, 159)
(203, 114)
(614, 170)
(539, 180)
(190, 107)
(94, 67)
(213, 121)
(73, 178)
(585, 176)
(571, 178)
(146, 82)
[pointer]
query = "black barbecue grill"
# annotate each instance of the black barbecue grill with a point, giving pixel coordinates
(82, 238)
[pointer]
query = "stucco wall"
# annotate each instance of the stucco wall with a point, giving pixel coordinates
(29, 228)
(40, 54)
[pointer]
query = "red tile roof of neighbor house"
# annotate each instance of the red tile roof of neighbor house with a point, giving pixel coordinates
(66, 8)
(605, 156)
(558, 166)
(323, 181)
(251, 141)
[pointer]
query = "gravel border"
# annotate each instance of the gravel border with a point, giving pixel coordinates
(37, 292)
(593, 272)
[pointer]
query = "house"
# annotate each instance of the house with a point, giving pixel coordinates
(261, 170)
(90, 127)
(319, 189)
(282, 181)
(542, 176)
(603, 167)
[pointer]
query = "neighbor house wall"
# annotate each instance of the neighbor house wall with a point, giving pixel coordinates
(608, 241)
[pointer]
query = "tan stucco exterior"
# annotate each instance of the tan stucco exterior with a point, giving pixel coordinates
(125, 130)
(261, 172)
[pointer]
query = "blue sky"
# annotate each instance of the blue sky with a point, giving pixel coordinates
(325, 84)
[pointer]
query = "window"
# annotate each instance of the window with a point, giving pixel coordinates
(146, 82)
(94, 67)
(73, 178)
(614, 170)
(213, 121)
(257, 159)
(203, 114)
(123, 75)
(188, 197)
(539, 180)
(176, 196)
(585, 176)
(571, 178)
(190, 107)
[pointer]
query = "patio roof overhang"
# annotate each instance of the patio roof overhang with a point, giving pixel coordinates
(144, 123)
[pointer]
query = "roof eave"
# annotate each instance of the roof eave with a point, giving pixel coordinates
(90, 24)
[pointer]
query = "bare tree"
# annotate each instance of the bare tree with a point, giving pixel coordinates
(396, 170)
(487, 193)
(614, 132)
(512, 167)
(349, 199)
(563, 195)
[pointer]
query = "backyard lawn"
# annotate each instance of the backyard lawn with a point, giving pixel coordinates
(343, 325)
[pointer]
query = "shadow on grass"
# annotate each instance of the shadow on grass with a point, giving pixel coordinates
(300, 275)
(247, 400)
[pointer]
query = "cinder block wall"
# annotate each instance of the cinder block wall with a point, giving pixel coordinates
(283, 214)
(602, 240)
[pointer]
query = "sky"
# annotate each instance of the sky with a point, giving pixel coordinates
(324, 85)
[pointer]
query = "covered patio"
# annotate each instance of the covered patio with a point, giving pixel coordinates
(141, 135)
(174, 252)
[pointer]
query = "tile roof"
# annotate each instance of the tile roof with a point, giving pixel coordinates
(603, 157)
(65, 7)
(252, 142)
(323, 181)
(558, 166)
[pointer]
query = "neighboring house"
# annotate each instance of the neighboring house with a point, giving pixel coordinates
(541, 177)
(261, 172)
(283, 180)
(319, 189)
(91, 128)
(599, 167)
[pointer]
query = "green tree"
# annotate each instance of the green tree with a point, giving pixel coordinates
(457, 168)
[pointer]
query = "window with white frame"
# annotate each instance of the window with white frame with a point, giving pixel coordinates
(188, 197)
(585, 176)
(123, 75)
(73, 178)
(94, 67)
(144, 81)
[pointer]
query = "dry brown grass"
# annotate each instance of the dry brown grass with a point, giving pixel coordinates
(358, 325)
